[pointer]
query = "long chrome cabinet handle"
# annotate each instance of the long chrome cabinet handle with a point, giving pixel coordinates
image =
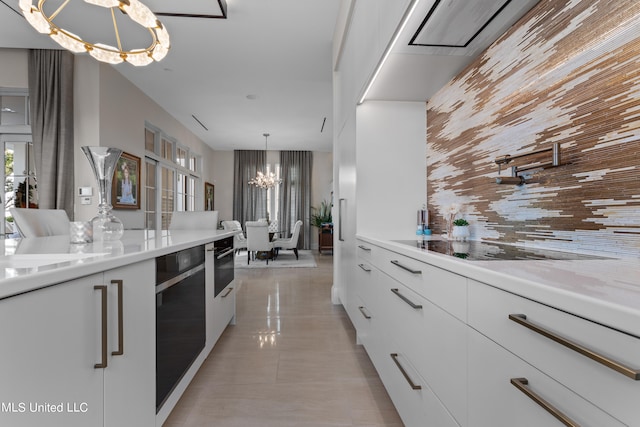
(364, 267)
(103, 294)
(340, 236)
(627, 371)
(364, 248)
(404, 267)
(120, 350)
(405, 299)
(366, 316)
(521, 384)
(229, 290)
(413, 385)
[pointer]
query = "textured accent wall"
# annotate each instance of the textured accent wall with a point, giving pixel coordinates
(567, 72)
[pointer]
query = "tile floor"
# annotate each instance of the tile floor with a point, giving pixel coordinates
(291, 360)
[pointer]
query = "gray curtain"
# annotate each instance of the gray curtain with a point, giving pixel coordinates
(295, 194)
(249, 202)
(51, 107)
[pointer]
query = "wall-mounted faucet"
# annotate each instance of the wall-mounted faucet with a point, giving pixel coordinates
(515, 177)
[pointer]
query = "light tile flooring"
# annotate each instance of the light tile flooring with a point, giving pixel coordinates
(291, 360)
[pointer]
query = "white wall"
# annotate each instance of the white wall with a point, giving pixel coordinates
(13, 68)
(221, 165)
(108, 103)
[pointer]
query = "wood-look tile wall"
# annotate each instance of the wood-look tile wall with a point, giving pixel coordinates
(567, 72)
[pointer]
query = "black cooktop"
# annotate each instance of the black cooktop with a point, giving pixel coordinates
(488, 251)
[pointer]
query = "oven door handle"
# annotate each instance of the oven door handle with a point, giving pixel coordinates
(179, 278)
(224, 254)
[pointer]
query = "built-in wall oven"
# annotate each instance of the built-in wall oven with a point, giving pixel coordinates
(223, 264)
(180, 316)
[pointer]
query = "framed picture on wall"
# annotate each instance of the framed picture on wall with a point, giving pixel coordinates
(125, 190)
(208, 196)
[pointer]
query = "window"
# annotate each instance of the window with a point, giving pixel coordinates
(273, 195)
(19, 174)
(171, 180)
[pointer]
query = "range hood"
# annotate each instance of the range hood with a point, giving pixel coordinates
(440, 39)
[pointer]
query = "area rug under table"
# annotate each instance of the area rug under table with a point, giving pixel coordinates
(286, 259)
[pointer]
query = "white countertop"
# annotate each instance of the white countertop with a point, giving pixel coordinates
(33, 263)
(606, 291)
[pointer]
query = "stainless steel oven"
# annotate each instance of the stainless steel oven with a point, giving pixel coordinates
(180, 316)
(223, 264)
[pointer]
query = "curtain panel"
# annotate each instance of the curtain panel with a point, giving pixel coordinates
(295, 194)
(51, 105)
(249, 202)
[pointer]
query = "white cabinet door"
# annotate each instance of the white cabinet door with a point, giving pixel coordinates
(51, 340)
(130, 374)
(494, 400)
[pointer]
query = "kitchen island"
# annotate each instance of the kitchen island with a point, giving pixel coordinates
(462, 342)
(79, 328)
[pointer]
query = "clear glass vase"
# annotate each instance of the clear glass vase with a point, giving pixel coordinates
(103, 161)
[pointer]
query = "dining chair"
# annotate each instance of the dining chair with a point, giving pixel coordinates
(194, 220)
(291, 242)
(258, 239)
(239, 239)
(40, 222)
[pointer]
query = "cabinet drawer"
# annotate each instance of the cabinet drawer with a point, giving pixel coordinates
(489, 312)
(443, 288)
(495, 401)
(432, 339)
(365, 250)
(415, 401)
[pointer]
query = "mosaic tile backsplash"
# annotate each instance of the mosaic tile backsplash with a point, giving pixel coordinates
(568, 72)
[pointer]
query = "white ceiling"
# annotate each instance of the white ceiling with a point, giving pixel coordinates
(279, 52)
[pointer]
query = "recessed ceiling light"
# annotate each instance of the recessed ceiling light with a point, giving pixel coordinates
(252, 97)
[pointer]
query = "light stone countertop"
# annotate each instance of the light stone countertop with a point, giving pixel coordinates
(33, 263)
(606, 291)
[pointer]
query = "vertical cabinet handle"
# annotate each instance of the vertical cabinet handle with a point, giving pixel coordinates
(340, 237)
(120, 350)
(103, 295)
(396, 291)
(413, 385)
(364, 313)
(627, 371)
(229, 290)
(521, 384)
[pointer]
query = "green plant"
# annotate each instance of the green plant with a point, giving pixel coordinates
(321, 215)
(460, 222)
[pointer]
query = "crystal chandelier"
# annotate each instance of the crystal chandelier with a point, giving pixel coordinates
(135, 10)
(265, 180)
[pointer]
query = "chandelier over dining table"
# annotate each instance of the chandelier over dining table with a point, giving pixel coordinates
(267, 179)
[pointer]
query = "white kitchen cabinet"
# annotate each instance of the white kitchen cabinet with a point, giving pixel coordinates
(129, 378)
(494, 399)
(428, 344)
(540, 345)
(62, 356)
(220, 309)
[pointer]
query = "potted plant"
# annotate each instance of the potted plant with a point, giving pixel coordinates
(322, 219)
(322, 215)
(460, 229)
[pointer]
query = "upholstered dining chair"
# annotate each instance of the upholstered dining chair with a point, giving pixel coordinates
(239, 240)
(258, 239)
(194, 220)
(40, 222)
(291, 242)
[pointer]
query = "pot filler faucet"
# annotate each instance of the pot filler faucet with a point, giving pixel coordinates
(515, 177)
